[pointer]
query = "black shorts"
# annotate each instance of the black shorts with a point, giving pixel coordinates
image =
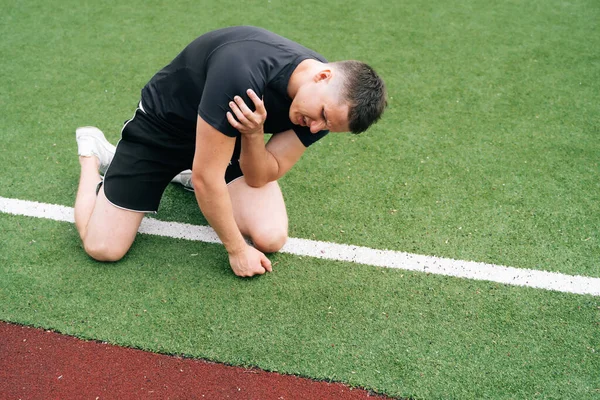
(147, 158)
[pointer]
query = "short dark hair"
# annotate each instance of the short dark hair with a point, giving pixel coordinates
(365, 91)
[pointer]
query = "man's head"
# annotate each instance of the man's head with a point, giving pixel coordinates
(364, 91)
(344, 96)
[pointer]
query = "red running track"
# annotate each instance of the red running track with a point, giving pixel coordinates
(39, 364)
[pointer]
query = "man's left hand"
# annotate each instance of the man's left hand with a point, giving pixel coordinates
(248, 122)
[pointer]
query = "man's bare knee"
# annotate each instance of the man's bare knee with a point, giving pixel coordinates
(269, 241)
(103, 252)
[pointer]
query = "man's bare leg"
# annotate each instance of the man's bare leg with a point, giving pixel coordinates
(110, 231)
(260, 214)
(106, 231)
(86, 193)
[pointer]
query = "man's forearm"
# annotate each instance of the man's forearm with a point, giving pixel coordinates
(215, 203)
(257, 163)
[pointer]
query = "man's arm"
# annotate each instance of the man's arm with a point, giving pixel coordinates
(213, 153)
(262, 163)
(259, 163)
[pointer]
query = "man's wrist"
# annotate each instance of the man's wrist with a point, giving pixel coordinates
(254, 135)
(237, 248)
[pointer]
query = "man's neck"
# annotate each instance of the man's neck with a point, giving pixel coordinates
(302, 74)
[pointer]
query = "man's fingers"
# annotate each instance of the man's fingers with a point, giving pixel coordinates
(238, 112)
(257, 271)
(233, 121)
(246, 111)
(258, 103)
(245, 115)
(266, 263)
(239, 102)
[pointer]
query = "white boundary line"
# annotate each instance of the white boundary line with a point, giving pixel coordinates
(340, 252)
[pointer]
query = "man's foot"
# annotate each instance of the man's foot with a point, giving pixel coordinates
(91, 142)
(184, 178)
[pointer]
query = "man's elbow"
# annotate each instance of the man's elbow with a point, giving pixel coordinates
(202, 182)
(257, 179)
(256, 182)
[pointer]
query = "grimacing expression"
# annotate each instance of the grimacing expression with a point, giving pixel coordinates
(317, 105)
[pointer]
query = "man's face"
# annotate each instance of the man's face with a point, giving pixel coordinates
(317, 106)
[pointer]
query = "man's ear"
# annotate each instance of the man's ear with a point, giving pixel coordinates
(323, 75)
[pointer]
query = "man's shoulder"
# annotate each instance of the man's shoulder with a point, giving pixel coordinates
(234, 34)
(257, 42)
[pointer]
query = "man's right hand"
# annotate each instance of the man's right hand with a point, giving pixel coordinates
(248, 122)
(249, 262)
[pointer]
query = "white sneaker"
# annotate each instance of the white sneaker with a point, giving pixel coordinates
(184, 178)
(91, 142)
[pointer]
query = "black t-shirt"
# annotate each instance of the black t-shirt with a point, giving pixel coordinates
(221, 64)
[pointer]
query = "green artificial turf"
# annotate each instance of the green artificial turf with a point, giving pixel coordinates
(401, 333)
(488, 151)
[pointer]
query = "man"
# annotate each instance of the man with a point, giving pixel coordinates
(208, 111)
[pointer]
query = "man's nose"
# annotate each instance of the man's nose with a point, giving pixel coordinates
(317, 126)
